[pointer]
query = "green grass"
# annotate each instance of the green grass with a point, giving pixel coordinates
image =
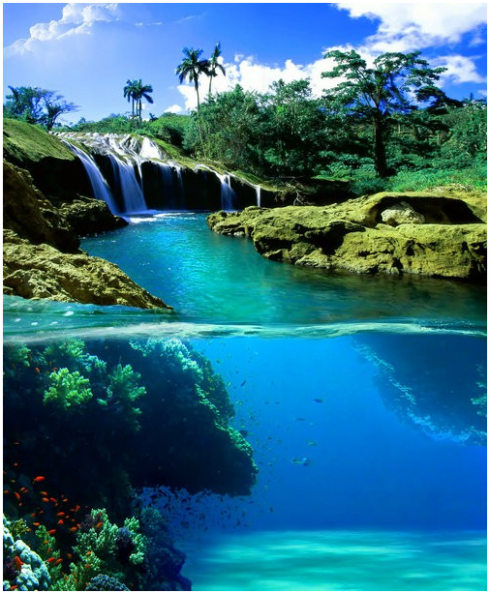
(25, 142)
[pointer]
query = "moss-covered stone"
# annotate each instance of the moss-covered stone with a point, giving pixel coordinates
(44, 272)
(451, 243)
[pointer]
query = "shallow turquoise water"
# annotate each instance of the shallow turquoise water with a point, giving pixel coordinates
(341, 561)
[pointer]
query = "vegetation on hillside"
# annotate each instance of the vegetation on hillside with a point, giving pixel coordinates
(384, 127)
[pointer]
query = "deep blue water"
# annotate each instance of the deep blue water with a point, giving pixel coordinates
(355, 393)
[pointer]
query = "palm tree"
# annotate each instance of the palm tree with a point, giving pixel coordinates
(192, 67)
(129, 91)
(214, 66)
(142, 92)
(135, 91)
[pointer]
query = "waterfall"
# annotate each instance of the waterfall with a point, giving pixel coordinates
(132, 194)
(100, 186)
(258, 190)
(149, 150)
(227, 193)
(181, 198)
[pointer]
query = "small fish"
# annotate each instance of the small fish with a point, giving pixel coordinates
(13, 587)
(24, 490)
(59, 561)
(17, 495)
(99, 525)
(300, 418)
(6, 491)
(243, 383)
(312, 444)
(43, 493)
(45, 499)
(73, 529)
(36, 524)
(60, 522)
(304, 461)
(52, 531)
(52, 559)
(37, 369)
(38, 479)
(60, 514)
(318, 400)
(18, 563)
(53, 500)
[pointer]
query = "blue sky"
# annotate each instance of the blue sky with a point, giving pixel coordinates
(87, 52)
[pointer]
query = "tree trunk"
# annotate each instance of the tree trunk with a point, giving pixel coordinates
(197, 93)
(379, 147)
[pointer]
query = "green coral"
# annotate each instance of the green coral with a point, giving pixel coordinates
(123, 390)
(72, 354)
(16, 355)
(176, 354)
(68, 390)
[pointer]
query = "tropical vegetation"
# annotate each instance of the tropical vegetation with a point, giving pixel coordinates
(382, 126)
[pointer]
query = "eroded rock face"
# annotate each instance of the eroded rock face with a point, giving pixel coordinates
(450, 243)
(401, 213)
(44, 272)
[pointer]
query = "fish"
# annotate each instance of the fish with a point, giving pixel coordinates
(304, 461)
(45, 499)
(17, 495)
(318, 400)
(60, 514)
(36, 524)
(243, 383)
(18, 563)
(52, 531)
(38, 479)
(312, 443)
(13, 587)
(300, 418)
(59, 561)
(73, 529)
(60, 522)
(52, 559)
(37, 369)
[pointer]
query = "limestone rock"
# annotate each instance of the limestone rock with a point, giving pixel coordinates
(353, 235)
(44, 272)
(401, 213)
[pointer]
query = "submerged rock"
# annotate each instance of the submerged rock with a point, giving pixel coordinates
(445, 236)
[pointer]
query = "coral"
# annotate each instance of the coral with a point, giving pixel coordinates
(23, 568)
(72, 354)
(122, 392)
(17, 356)
(102, 582)
(176, 355)
(68, 390)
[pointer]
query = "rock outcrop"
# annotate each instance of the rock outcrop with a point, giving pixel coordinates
(446, 236)
(41, 251)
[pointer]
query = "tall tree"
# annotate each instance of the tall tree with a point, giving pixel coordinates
(36, 106)
(214, 66)
(135, 91)
(191, 68)
(396, 85)
(129, 91)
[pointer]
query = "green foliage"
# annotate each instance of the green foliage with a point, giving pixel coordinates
(123, 390)
(191, 68)
(36, 106)
(135, 91)
(72, 354)
(68, 391)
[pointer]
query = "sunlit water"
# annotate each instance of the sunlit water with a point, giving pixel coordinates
(355, 393)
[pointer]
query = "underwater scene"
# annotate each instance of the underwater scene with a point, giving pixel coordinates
(282, 428)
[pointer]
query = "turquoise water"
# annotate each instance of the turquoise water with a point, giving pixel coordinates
(361, 398)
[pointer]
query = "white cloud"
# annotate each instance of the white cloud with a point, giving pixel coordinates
(173, 109)
(411, 26)
(252, 76)
(76, 19)
(460, 69)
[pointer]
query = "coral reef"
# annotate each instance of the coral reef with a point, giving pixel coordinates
(24, 569)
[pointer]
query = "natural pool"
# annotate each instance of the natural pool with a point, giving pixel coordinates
(359, 395)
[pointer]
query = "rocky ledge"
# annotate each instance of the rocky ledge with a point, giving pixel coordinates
(440, 234)
(41, 255)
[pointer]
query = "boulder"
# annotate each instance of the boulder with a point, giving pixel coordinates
(354, 235)
(44, 272)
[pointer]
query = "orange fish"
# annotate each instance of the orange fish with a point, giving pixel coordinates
(99, 525)
(13, 587)
(6, 491)
(65, 500)
(52, 531)
(60, 522)
(52, 559)
(36, 524)
(37, 369)
(18, 563)
(38, 479)
(59, 561)
(73, 529)
(53, 500)
(17, 495)
(60, 514)
(45, 499)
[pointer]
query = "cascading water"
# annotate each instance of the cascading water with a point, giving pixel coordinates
(100, 186)
(227, 192)
(132, 194)
(258, 192)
